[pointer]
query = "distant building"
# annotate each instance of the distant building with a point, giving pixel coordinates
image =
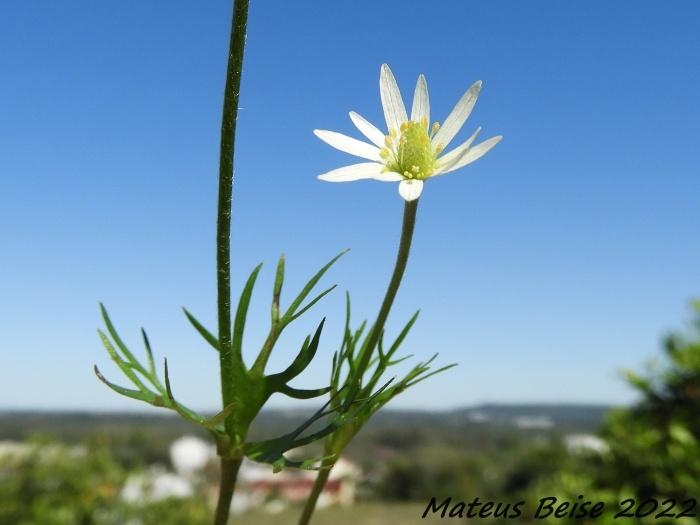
(257, 486)
(14, 450)
(533, 422)
(583, 443)
(476, 416)
(190, 454)
(156, 484)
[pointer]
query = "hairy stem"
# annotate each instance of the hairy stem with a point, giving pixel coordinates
(229, 473)
(227, 364)
(223, 225)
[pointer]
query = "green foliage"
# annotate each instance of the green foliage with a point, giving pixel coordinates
(368, 383)
(656, 443)
(247, 389)
(486, 469)
(174, 511)
(434, 471)
(54, 484)
(654, 446)
(50, 483)
(524, 466)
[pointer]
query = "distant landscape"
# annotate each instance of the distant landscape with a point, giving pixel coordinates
(89, 465)
(475, 420)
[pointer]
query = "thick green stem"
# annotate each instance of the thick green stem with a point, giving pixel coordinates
(335, 449)
(227, 364)
(223, 225)
(229, 473)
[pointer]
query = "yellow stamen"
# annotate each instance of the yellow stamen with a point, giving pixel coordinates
(411, 153)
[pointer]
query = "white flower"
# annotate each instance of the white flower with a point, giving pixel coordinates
(411, 151)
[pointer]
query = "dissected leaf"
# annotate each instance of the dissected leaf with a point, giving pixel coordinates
(242, 313)
(141, 395)
(113, 332)
(206, 334)
(310, 285)
(305, 355)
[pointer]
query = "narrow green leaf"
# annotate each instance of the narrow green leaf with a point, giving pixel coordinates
(339, 357)
(310, 285)
(206, 334)
(297, 393)
(213, 422)
(399, 360)
(305, 355)
(279, 277)
(113, 332)
(423, 378)
(272, 450)
(357, 335)
(277, 289)
(311, 303)
(242, 312)
(347, 310)
(185, 412)
(140, 395)
(402, 335)
(126, 368)
(335, 370)
(149, 353)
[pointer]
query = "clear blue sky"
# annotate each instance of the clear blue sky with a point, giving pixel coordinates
(557, 259)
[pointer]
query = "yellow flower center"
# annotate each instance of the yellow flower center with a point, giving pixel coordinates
(411, 152)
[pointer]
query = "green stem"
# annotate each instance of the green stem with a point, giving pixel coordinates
(227, 359)
(409, 222)
(334, 450)
(223, 225)
(319, 483)
(229, 473)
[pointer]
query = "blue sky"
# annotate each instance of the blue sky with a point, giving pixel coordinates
(542, 269)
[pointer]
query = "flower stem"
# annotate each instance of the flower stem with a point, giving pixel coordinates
(223, 225)
(229, 473)
(319, 483)
(335, 449)
(409, 222)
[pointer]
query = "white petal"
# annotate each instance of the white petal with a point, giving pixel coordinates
(474, 153)
(348, 144)
(367, 129)
(421, 102)
(389, 176)
(392, 103)
(363, 170)
(410, 189)
(456, 119)
(446, 161)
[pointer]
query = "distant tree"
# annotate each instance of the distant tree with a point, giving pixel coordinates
(55, 484)
(174, 511)
(654, 445)
(51, 483)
